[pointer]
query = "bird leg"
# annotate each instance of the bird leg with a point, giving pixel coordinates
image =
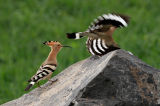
(38, 85)
(95, 57)
(52, 81)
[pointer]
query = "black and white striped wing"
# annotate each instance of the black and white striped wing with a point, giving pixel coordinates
(116, 20)
(101, 24)
(98, 47)
(43, 72)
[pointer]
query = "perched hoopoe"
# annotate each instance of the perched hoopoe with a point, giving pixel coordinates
(100, 32)
(49, 65)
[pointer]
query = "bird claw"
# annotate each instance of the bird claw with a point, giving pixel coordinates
(95, 57)
(52, 81)
(39, 85)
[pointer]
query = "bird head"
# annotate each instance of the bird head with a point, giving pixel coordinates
(55, 45)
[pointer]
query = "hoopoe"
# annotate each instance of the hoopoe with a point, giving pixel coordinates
(100, 32)
(49, 65)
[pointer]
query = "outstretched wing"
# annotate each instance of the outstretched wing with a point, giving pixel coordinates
(101, 24)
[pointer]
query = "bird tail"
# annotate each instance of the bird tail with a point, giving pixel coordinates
(76, 35)
(29, 86)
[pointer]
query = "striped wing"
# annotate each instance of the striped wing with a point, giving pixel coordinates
(98, 47)
(43, 72)
(101, 24)
(116, 20)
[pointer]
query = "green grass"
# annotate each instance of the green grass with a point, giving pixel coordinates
(25, 24)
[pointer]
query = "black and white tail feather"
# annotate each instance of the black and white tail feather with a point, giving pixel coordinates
(42, 73)
(116, 20)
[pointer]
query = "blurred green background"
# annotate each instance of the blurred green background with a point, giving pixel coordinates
(25, 24)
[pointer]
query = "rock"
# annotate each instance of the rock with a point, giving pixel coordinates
(115, 79)
(125, 81)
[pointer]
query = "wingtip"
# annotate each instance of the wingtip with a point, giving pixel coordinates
(29, 80)
(125, 17)
(70, 35)
(28, 87)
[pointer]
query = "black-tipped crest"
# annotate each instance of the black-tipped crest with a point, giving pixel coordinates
(48, 42)
(28, 87)
(44, 42)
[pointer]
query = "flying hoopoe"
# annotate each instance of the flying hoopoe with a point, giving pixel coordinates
(100, 32)
(49, 65)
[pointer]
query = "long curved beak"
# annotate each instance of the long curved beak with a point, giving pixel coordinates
(67, 46)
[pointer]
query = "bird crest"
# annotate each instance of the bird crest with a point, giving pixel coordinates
(50, 43)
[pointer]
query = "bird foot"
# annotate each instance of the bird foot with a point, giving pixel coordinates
(52, 81)
(39, 85)
(95, 57)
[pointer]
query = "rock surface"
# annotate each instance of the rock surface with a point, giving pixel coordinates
(116, 79)
(125, 81)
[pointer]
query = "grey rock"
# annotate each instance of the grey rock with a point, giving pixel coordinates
(115, 79)
(125, 81)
